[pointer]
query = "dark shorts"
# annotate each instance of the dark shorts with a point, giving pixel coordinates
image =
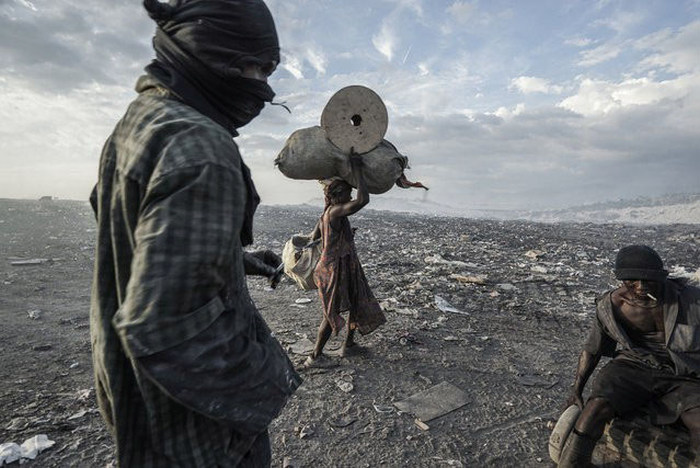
(630, 385)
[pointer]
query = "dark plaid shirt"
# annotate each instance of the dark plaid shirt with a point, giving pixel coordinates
(186, 371)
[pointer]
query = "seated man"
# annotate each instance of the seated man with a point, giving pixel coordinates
(651, 327)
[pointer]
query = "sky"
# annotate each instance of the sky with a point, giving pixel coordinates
(497, 104)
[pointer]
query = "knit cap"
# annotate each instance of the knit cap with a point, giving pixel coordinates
(639, 262)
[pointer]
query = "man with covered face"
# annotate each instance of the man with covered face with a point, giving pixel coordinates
(186, 370)
(650, 326)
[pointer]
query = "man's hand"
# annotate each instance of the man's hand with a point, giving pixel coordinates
(277, 277)
(576, 398)
(264, 263)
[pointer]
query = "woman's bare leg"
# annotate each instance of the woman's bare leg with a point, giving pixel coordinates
(324, 333)
(349, 336)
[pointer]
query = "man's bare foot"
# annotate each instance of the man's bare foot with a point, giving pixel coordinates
(319, 361)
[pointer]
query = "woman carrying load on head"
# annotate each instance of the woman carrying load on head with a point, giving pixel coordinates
(342, 284)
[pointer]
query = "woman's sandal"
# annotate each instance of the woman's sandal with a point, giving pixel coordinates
(318, 362)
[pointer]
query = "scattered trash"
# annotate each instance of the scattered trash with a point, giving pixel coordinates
(302, 300)
(78, 415)
(305, 432)
(44, 347)
(407, 338)
(445, 306)
(17, 424)
(34, 314)
(507, 287)
(343, 421)
(290, 462)
(475, 279)
(421, 425)
(434, 402)
(346, 387)
(74, 365)
(452, 338)
(11, 452)
(31, 261)
(537, 381)
(677, 271)
(449, 462)
(439, 259)
(84, 394)
(383, 408)
(302, 347)
(410, 312)
(534, 254)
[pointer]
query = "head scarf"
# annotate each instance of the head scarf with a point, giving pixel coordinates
(202, 47)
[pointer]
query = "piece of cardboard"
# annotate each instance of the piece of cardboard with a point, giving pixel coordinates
(434, 402)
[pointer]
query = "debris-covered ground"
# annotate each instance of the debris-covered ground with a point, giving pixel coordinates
(495, 309)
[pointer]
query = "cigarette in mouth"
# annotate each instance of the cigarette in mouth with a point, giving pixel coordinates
(650, 296)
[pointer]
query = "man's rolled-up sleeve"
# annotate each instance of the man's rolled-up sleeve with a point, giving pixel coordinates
(213, 358)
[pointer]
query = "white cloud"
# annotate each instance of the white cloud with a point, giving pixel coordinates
(416, 6)
(505, 113)
(461, 11)
(595, 97)
(677, 53)
(579, 42)
(532, 84)
(317, 60)
(622, 21)
(600, 54)
(385, 41)
(28, 4)
(292, 64)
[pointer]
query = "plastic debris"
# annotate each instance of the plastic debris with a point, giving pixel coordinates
(31, 261)
(421, 425)
(34, 314)
(346, 387)
(474, 279)
(11, 452)
(445, 306)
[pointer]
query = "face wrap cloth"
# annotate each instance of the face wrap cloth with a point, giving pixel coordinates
(201, 49)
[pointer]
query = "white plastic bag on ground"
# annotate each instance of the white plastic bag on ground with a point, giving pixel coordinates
(309, 155)
(9, 453)
(30, 448)
(35, 445)
(300, 263)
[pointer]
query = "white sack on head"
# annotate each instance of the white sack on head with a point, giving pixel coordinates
(309, 155)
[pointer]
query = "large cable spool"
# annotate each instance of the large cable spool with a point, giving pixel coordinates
(355, 118)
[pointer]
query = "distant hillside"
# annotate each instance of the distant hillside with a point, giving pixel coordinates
(667, 209)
